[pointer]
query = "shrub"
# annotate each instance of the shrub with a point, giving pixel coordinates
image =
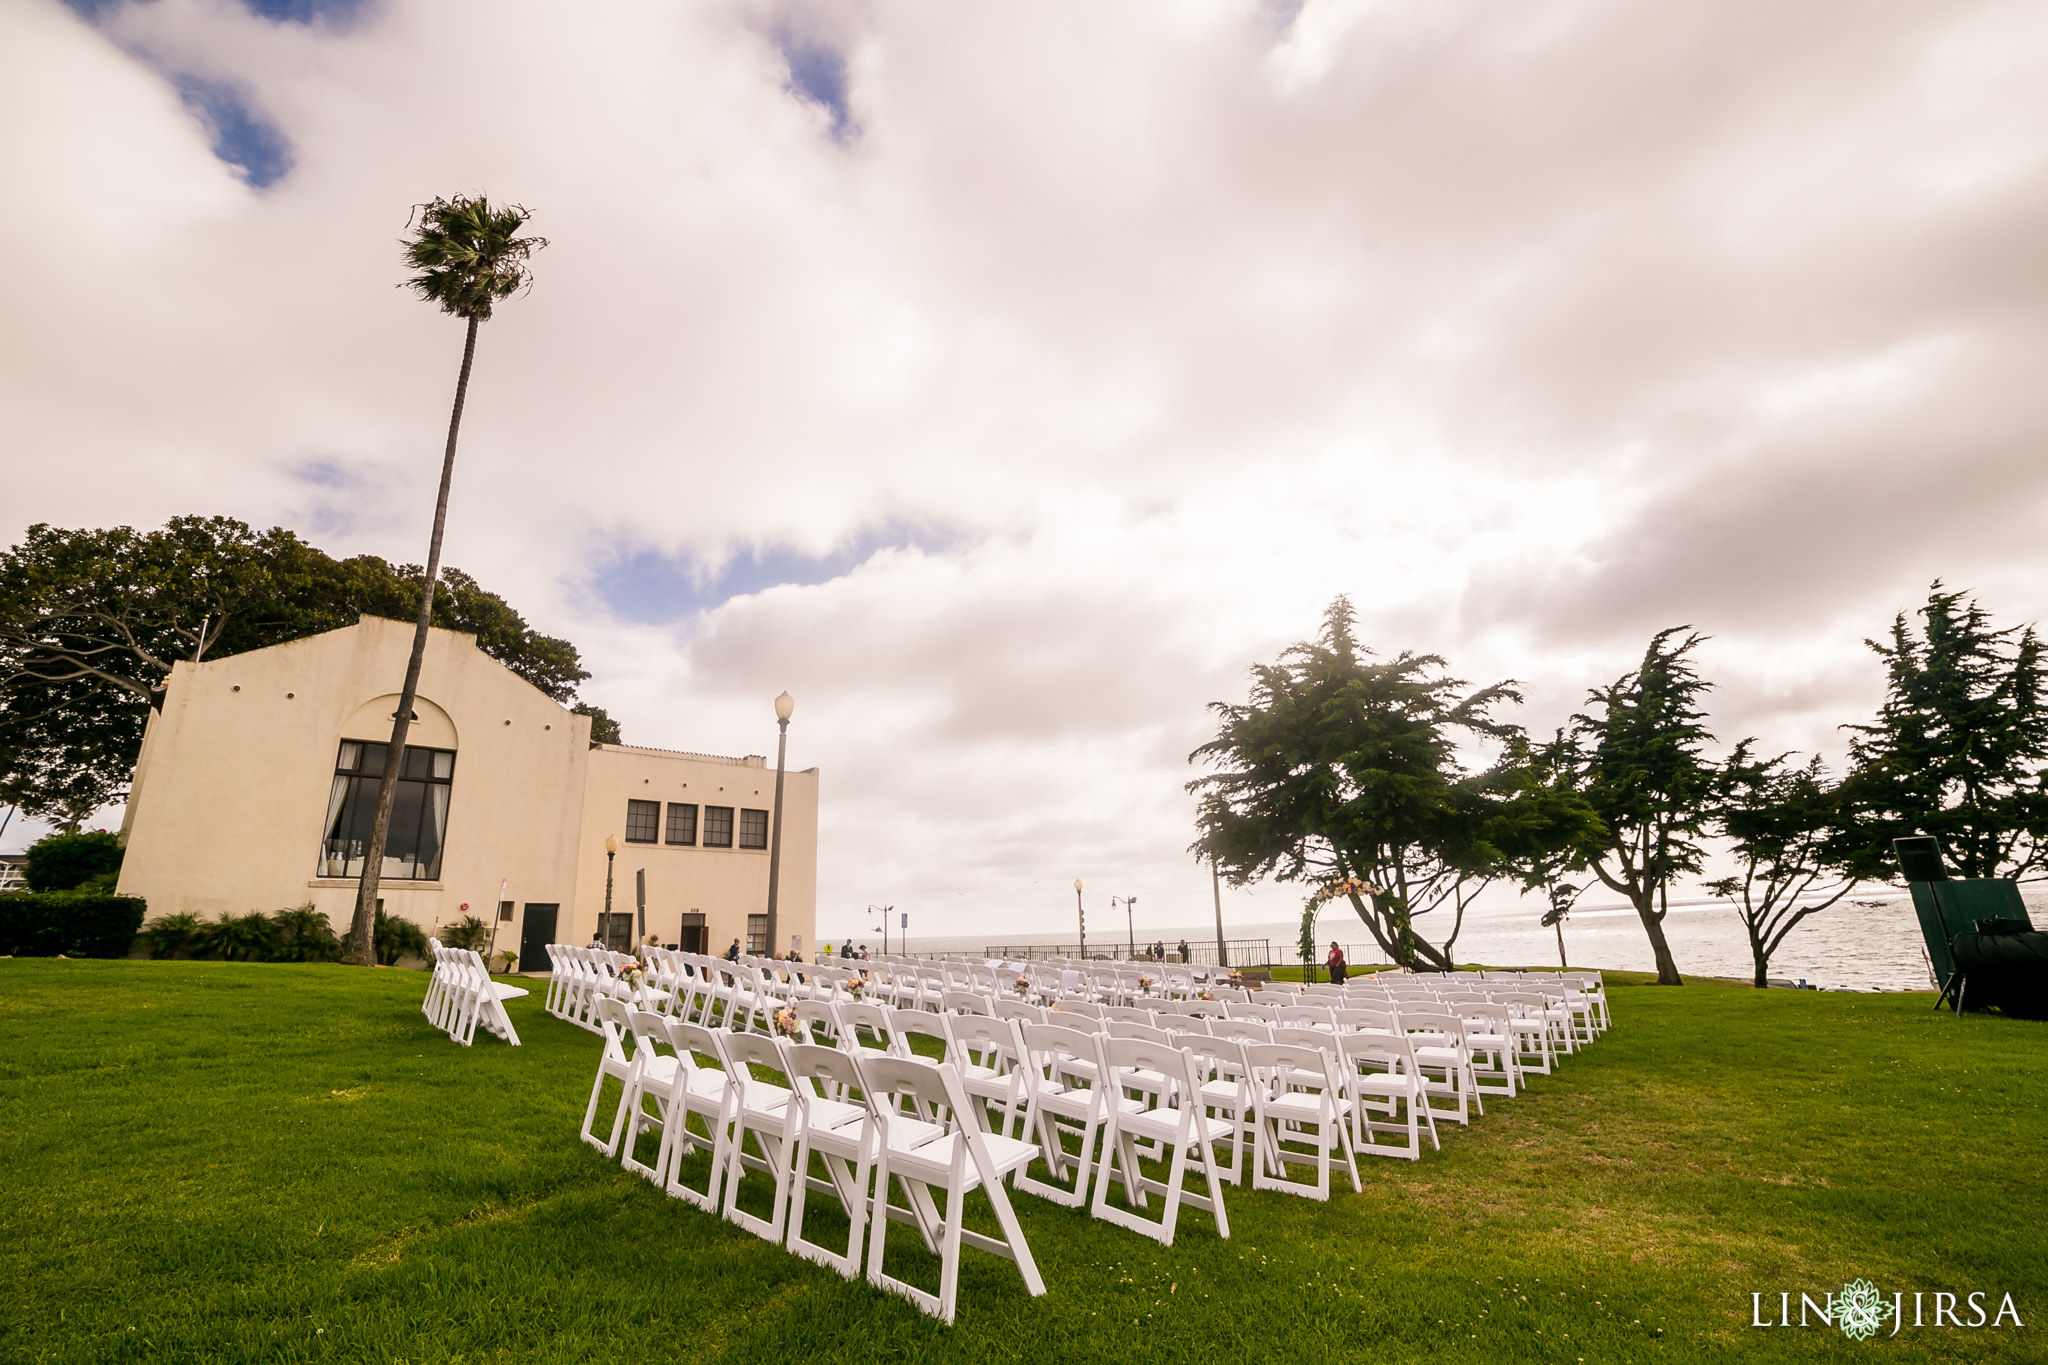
(166, 934)
(396, 936)
(238, 938)
(472, 933)
(70, 923)
(65, 862)
(302, 934)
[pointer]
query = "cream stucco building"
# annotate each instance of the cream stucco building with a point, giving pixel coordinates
(256, 778)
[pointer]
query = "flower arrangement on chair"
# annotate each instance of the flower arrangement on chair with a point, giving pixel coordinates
(858, 987)
(785, 1021)
(1236, 979)
(633, 973)
(1144, 985)
(1023, 984)
(1205, 995)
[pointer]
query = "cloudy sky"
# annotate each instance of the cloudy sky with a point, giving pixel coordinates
(1003, 380)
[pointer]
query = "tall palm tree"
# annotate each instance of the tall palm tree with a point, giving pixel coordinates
(467, 255)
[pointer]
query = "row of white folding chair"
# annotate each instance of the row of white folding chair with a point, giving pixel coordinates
(461, 995)
(752, 1125)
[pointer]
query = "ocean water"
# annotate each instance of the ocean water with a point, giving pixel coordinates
(1870, 942)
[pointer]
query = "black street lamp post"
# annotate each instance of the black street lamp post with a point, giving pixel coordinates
(611, 851)
(785, 706)
(1082, 915)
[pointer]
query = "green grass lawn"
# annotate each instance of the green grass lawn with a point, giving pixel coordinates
(223, 1162)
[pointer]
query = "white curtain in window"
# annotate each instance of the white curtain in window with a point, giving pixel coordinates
(336, 848)
(437, 815)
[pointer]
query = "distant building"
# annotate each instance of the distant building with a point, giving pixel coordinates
(257, 778)
(12, 877)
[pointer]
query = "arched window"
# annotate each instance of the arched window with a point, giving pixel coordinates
(419, 812)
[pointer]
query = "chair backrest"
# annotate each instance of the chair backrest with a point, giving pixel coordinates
(1359, 1019)
(807, 1064)
(1126, 1030)
(983, 1034)
(1307, 1016)
(1268, 1013)
(1285, 1066)
(1291, 1035)
(1131, 1059)
(1386, 1051)
(1241, 1030)
(1127, 1013)
(1019, 1010)
(695, 1045)
(1049, 1046)
(815, 1018)
(903, 1023)
(933, 1089)
(1432, 1021)
(1087, 1007)
(740, 1051)
(963, 1002)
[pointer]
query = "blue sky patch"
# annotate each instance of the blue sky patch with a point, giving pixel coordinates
(655, 589)
(241, 137)
(817, 72)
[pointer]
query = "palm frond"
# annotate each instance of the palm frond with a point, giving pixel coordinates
(468, 254)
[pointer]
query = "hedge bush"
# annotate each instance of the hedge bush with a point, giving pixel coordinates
(71, 923)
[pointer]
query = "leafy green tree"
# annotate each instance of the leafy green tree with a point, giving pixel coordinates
(1783, 824)
(1643, 769)
(398, 937)
(91, 622)
(302, 934)
(1958, 748)
(1345, 771)
(467, 255)
(238, 938)
(66, 862)
(603, 729)
(166, 935)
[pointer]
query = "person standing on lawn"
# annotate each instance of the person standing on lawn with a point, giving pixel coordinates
(1335, 962)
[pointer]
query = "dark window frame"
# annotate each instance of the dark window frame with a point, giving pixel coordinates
(757, 935)
(718, 821)
(668, 835)
(753, 824)
(647, 822)
(352, 799)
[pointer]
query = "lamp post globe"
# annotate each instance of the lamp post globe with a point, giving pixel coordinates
(785, 707)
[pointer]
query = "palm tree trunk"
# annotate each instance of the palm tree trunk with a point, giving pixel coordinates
(361, 931)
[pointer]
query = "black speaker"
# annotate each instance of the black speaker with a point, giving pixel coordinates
(1920, 858)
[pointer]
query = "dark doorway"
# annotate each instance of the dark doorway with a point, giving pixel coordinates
(535, 936)
(692, 934)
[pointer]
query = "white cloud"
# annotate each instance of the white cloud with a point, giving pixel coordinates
(1533, 329)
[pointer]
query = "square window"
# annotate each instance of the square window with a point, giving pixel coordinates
(643, 822)
(682, 823)
(753, 829)
(718, 827)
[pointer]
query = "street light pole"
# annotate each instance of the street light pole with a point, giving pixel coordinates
(1131, 920)
(611, 851)
(1082, 915)
(885, 909)
(1216, 887)
(785, 706)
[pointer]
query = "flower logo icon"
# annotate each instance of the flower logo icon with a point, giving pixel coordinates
(1860, 1310)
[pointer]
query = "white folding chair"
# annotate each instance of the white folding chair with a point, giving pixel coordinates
(612, 1064)
(654, 1075)
(1170, 1115)
(843, 1136)
(705, 1095)
(1295, 1090)
(768, 1113)
(1384, 1086)
(957, 1162)
(1063, 1098)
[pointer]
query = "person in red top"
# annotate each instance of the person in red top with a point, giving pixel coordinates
(1335, 962)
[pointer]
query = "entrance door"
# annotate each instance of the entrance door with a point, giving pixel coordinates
(692, 932)
(535, 936)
